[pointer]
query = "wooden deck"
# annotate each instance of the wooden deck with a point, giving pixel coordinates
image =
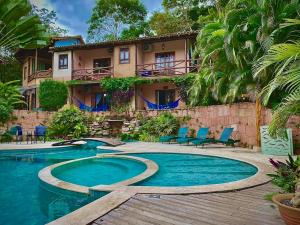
(245, 207)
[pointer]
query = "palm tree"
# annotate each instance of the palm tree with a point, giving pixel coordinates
(18, 28)
(233, 38)
(285, 59)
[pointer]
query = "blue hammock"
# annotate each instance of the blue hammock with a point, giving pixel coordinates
(98, 108)
(171, 105)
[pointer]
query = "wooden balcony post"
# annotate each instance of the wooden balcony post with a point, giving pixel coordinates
(185, 52)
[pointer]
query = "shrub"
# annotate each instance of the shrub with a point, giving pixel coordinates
(130, 137)
(9, 97)
(164, 124)
(52, 95)
(69, 121)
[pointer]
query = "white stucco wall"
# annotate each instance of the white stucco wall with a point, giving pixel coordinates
(62, 74)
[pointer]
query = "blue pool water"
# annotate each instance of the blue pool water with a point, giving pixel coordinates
(26, 200)
(93, 172)
(23, 199)
(190, 170)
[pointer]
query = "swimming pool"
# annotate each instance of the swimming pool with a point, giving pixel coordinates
(24, 200)
(21, 186)
(189, 170)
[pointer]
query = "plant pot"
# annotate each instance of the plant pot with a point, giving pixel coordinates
(290, 215)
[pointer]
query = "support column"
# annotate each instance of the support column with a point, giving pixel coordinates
(185, 52)
(258, 108)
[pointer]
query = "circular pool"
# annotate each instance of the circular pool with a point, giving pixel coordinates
(99, 171)
(173, 170)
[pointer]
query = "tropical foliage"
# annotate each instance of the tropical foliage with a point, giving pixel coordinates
(163, 124)
(236, 33)
(10, 70)
(52, 95)
(9, 97)
(287, 176)
(284, 60)
(18, 28)
(68, 122)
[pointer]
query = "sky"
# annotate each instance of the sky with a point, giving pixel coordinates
(74, 14)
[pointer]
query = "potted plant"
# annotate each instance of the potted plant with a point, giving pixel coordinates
(287, 177)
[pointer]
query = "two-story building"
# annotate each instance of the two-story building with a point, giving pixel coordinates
(69, 58)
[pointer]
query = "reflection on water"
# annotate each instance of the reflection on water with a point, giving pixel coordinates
(24, 199)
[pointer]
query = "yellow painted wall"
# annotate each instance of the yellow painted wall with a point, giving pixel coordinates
(84, 59)
(124, 70)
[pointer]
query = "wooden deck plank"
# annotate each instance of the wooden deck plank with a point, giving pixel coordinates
(245, 207)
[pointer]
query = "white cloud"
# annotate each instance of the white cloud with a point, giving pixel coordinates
(42, 4)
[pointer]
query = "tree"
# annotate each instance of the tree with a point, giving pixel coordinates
(52, 95)
(135, 31)
(231, 41)
(284, 59)
(19, 29)
(166, 23)
(10, 70)
(110, 17)
(48, 19)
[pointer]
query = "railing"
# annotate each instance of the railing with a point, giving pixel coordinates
(40, 74)
(170, 68)
(92, 74)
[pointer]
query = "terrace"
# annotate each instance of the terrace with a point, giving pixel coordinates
(168, 68)
(92, 74)
(40, 75)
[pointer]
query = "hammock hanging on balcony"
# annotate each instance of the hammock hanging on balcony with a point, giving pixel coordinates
(97, 108)
(170, 105)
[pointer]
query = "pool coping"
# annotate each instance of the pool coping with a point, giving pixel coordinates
(45, 175)
(120, 194)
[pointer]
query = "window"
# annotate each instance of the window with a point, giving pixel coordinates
(164, 97)
(164, 60)
(124, 55)
(63, 61)
(25, 73)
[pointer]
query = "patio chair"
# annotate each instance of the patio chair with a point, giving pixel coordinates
(201, 135)
(224, 139)
(17, 132)
(40, 132)
(182, 133)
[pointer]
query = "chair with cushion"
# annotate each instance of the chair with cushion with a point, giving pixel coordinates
(182, 133)
(201, 135)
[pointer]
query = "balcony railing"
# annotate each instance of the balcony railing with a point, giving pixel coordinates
(170, 68)
(40, 74)
(92, 74)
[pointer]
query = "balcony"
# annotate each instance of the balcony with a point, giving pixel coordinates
(40, 74)
(169, 68)
(93, 74)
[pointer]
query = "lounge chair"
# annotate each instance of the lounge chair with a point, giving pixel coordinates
(224, 139)
(182, 133)
(201, 135)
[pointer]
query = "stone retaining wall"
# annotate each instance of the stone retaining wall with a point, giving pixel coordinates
(239, 116)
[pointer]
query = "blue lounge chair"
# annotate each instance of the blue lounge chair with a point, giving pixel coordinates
(224, 139)
(201, 135)
(182, 133)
